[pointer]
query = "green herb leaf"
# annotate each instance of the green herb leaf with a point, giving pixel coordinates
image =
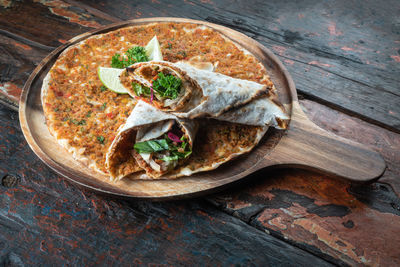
(162, 145)
(167, 86)
(100, 139)
(132, 55)
(140, 90)
(183, 145)
(177, 155)
(170, 158)
(103, 107)
(182, 155)
(103, 88)
(116, 62)
(151, 146)
(136, 54)
(88, 114)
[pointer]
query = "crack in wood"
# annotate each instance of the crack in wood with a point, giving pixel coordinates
(347, 111)
(251, 220)
(94, 11)
(5, 101)
(26, 40)
(300, 47)
(339, 75)
(378, 196)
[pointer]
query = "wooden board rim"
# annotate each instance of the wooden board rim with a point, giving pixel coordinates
(118, 192)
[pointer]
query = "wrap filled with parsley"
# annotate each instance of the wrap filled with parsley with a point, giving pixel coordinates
(163, 85)
(150, 140)
(196, 92)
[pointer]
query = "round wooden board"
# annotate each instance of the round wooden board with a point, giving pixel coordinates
(45, 146)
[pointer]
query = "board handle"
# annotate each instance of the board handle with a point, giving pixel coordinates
(308, 146)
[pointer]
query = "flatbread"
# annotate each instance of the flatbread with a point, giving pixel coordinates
(85, 119)
(259, 112)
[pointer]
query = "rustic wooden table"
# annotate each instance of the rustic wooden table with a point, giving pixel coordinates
(344, 57)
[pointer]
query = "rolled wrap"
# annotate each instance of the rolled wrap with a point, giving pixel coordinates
(144, 123)
(189, 96)
(234, 100)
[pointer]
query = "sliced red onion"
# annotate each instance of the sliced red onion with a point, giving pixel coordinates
(174, 138)
(151, 94)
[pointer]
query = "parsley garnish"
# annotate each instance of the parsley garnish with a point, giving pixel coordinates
(175, 154)
(133, 55)
(164, 144)
(167, 86)
(88, 114)
(103, 88)
(100, 139)
(140, 89)
(116, 62)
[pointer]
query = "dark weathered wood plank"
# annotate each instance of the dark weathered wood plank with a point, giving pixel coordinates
(344, 53)
(317, 213)
(296, 147)
(16, 64)
(46, 221)
(340, 58)
(30, 30)
(47, 22)
(354, 223)
(321, 215)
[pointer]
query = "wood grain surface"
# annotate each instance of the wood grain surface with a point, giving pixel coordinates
(350, 58)
(43, 215)
(344, 59)
(303, 144)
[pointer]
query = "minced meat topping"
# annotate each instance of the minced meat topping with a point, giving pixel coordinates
(80, 109)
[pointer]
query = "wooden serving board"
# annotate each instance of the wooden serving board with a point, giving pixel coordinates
(303, 145)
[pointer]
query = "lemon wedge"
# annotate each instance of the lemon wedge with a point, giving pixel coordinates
(153, 50)
(110, 76)
(110, 79)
